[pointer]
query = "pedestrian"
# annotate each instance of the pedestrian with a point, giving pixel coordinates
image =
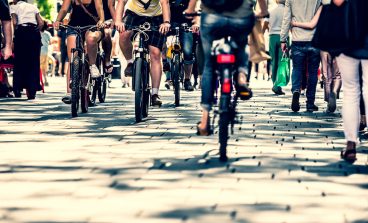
(302, 49)
(44, 58)
(27, 46)
(331, 77)
(349, 62)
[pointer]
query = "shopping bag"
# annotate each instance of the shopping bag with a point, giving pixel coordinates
(257, 48)
(283, 72)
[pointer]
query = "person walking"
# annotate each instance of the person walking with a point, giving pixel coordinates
(27, 48)
(44, 58)
(302, 49)
(349, 62)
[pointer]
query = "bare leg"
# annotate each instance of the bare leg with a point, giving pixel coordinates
(92, 39)
(156, 68)
(126, 45)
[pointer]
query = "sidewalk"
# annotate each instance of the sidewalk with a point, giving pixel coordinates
(102, 167)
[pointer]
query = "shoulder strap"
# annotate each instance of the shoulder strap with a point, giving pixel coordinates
(86, 11)
(145, 5)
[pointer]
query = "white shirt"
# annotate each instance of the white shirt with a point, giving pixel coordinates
(26, 13)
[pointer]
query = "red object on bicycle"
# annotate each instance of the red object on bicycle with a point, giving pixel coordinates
(225, 58)
(226, 86)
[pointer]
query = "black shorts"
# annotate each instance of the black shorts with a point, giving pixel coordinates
(156, 39)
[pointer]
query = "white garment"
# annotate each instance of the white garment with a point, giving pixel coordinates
(349, 68)
(26, 13)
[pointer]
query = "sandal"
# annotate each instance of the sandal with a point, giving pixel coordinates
(204, 132)
(349, 153)
(109, 68)
(244, 92)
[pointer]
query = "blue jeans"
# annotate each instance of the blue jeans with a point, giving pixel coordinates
(215, 27)
(305, 56)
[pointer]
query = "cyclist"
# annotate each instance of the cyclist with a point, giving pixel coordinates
(109, 12)
(84, 13)
(177, 7)
(214, 25)
(137, 12)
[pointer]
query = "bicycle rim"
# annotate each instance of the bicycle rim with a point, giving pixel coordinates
(176, 79)
(75, 65)
(138, 89)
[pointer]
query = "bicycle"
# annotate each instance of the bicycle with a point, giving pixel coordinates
(141, 70)
(81, 81)
(177, 60)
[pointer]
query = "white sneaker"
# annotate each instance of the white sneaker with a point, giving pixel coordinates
(95, 73)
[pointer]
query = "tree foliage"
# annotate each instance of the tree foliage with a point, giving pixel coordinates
(45, 8)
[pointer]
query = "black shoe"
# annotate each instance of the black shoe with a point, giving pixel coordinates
(332, 103)
(295, 106)
(188, 85)
(168, 84)
(244, 92)
(312, 108)
(67, 100)
(278, 91)
(165, 66)
(156, 100)
(17, 94)
(128, 72)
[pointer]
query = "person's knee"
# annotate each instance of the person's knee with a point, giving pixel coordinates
(155, 55)
(92, 39)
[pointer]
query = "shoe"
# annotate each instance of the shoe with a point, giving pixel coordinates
(165, 66)
(204, 132)
(124, 85)
(128, 72)
(67, 100)
(188, 85)
(95, 73)
(302, 92)
(46, 84)
(156, 100)
(312, 108)
(295, 106)
(332, 102)
(109, 68)
(17, 94)
(278, 91)
(349, 153)
(244, 92)
(168, 84)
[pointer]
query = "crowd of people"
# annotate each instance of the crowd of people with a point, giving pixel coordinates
(290, 28)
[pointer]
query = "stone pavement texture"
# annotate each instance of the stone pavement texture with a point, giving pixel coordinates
(103, 167)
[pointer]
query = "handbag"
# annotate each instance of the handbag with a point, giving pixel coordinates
(257, 48)
(339, 28)
(283, 71)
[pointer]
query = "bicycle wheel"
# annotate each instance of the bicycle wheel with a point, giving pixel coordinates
(74, 70)
(175, 72)
(146, 92)
(95, 89)
(102, 90)
(84, 88)
(224, 121)
(138, 88)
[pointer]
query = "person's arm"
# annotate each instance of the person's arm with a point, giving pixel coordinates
(165, 26)
(286, 22)
(308, 25)
(265, 25)
(39, 20)
(8, 34)
(338, 2)
(119, 15)
(100, 13)
(62, 13)
(264, 9)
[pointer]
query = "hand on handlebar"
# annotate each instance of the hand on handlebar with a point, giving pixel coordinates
(101, 23)
(120, 27)
(164, 28)
(195, 28)
(57, 25)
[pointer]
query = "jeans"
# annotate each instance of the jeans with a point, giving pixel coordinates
(187, 44)
(215, 27)
(304, 54)
(331, 75)
(349, 68)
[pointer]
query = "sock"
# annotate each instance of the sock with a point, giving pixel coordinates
(154, 91)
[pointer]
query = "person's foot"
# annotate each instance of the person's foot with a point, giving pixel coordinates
(95, 73)
(349, 153)
(109, 68)
(363, 123)
(168, 84)
(278, 90)
(302, 92)
(46, 84)
(188, 85)
(204, 129)
(332, 102)
(165, 66)
(156, 100)
(128, 72)
(312, 108)
(124, 85)
(17, 94)
(295, 106)
(67, 99)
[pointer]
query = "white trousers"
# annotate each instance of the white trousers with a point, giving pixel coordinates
(349, 68)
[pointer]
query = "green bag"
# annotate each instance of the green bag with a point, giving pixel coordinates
(283, 72)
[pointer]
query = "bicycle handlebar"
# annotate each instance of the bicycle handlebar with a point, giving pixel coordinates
(192, 14)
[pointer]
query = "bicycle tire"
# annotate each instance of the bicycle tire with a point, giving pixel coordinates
(176, 79)
(74, 70)
(146, 92)
(95, 91)
(102, 90)
(224, 122)
(138, 89)
(84, 91)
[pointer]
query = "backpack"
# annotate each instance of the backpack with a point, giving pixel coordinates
(223, 5)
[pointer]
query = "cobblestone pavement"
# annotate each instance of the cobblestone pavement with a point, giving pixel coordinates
(102, 167)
